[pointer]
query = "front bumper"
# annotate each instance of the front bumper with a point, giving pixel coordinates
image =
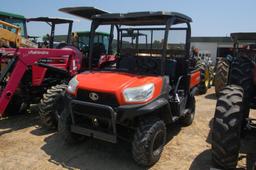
(93, 120)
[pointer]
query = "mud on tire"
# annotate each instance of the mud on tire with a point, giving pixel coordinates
(149, 141)
(51, 105)
(227, 126)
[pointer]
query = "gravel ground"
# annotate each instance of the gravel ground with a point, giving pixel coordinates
(24, 145)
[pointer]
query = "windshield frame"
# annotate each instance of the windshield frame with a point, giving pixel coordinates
(167, 26)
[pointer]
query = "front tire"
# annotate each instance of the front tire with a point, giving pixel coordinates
(227, 125)
(149, 141)
(64, 129)
(51, 106)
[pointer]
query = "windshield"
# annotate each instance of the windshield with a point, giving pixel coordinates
(18, 22)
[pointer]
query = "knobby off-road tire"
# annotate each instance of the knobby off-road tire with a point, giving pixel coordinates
(149, 141)
(221, 74)
(227, 125)
(64, 129)
(242, 75)
(189, 117)
(51, 106)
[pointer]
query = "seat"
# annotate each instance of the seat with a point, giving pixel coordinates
(127, 63)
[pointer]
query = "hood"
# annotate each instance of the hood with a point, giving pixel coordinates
(115, 82)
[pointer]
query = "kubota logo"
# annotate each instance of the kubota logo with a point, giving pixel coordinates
(94, 96)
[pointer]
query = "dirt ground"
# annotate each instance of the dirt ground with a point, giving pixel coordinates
(24, 145)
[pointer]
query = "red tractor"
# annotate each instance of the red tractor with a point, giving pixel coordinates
(134, 98)
(232, 123)
(30, 74)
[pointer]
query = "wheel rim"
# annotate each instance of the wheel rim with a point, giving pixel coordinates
(158, 143)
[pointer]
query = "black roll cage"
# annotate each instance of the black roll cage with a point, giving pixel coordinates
(169, 22)
(52, 22)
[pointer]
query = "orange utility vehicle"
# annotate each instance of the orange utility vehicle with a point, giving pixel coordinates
(149, 86)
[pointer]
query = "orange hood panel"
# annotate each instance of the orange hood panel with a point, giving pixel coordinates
(116, 82)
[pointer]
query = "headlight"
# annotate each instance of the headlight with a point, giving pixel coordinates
(139, 94)
(72, 85)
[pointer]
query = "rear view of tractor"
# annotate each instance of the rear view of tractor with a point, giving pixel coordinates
(232, 123)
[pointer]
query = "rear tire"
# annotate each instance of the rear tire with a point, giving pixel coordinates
(227, 125)
(221, 75)
(148, 142)
(189, 117)
(51, 106)
(241, 75)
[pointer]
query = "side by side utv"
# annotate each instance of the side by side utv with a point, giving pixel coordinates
(147, 87)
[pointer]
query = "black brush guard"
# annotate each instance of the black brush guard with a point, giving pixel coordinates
(93, 120)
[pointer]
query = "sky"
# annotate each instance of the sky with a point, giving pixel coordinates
(210, 17)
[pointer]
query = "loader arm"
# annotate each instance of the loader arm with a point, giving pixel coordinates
(19, 60)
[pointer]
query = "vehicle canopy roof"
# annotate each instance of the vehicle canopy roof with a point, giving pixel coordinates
(142, 18)
(242, 36)
(132, 18)
(51, 19)
(83, 12)
(12, 15)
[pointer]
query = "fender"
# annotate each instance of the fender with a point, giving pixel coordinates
(132, 111)
(195, 79)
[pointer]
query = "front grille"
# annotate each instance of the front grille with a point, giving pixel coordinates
(91, 111)
(108, 99)
(84, 116)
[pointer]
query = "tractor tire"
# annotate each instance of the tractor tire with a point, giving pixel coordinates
(64, 131)
(149, 141)
(242, 75)
(221, 74)
(189, 117)
(227, 126)
(51, 106)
